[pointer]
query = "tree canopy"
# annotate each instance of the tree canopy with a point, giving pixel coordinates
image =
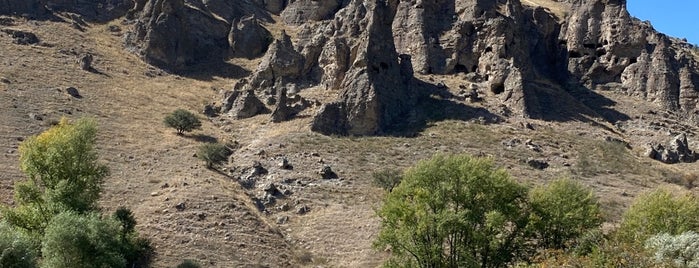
(454, 211)
(64, 174)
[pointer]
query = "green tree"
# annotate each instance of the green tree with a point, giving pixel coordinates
(213, 153)
(454, 211)
(182, 120)
(137, 250)
(63, 172)
(563, 210)
(16, 249)
(82, 240)
(659, 212)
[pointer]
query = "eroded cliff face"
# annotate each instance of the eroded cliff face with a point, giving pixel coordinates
(606, 45)
(526, 57)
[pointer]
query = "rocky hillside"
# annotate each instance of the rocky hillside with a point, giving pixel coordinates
(316, 95)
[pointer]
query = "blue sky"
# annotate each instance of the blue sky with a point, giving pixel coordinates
(678, 18)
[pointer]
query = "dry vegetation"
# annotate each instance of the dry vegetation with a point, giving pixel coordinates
(152, 169)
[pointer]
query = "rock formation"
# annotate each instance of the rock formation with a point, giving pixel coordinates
(93, 10)
(248, 39)
(531, 60)
(375, 94)
(606, 45)
(300, 11)
(677, 151)
(281, 63)
(175, 34)
(243, 104)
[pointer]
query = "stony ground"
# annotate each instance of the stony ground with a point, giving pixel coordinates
(228, 218)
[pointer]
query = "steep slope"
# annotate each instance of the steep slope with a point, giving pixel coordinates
(536, 81)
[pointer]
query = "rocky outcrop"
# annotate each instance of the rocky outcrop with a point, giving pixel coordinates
(92, 10)
(281, 62)
(375, 94)
(248, 39)
(171, 35)
(243, 104)
(21, 7)
(176, 34)
(300, 11)
(677, 151)
(606, 45)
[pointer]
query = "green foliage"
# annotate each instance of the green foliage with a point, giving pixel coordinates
(75, 240)
(454, 211)
(182, 120)
(188, 264)
(681, 251)
(213, 153)
(137, 250)
(63, 172)
(659, 212)
(127, 220)
(387, 179)
(17, 250)
(563, 210)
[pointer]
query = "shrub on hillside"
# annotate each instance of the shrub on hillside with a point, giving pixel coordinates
(659, 212)
(213, 153)
(454, 211)
(76, 241)
(562, 211)
(188, 264)
(387, 179)
(182, 121)
(680, 250)
(16, 249)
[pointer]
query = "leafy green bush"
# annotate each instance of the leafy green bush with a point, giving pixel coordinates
(16, 249)
(454, 211)
(213, 153)
(659, 212)
(137, 250)
(188, 264)
(63, 172)
(680, 250)
(76, 241)
(387, 178)
(182, 120)
(563, 210)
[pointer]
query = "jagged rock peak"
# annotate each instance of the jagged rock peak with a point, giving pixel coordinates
(375, 94)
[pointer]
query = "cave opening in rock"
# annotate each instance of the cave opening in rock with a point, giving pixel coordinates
(497, 88)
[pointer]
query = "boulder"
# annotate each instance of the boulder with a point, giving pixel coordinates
(280, 62)
(248, 39)
(22, 37)
(282, 111)
(677, 151)
(243, 104)
(85, 62)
